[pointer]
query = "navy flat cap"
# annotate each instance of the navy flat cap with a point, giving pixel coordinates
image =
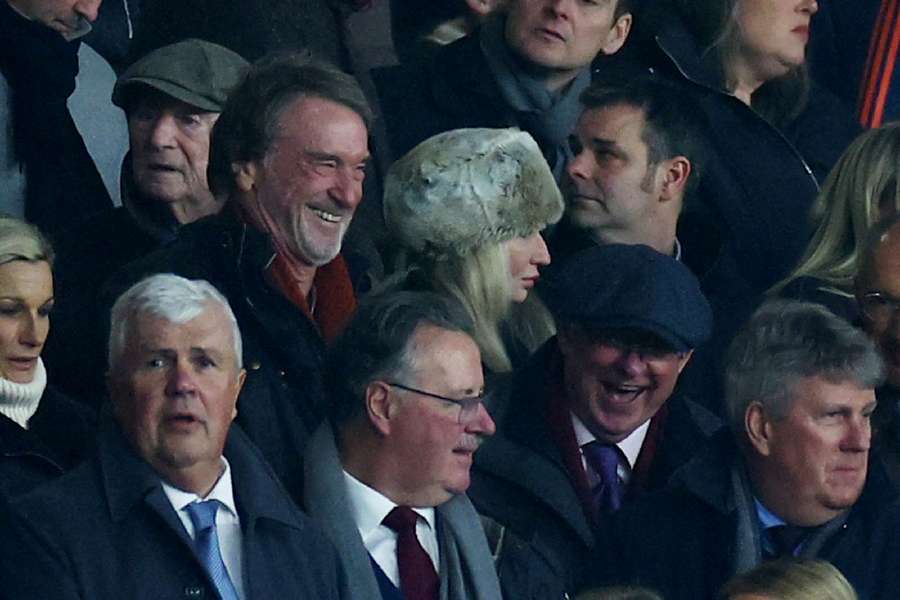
(619, 286)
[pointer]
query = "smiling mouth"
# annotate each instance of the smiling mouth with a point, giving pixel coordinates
(326, 216)
(623, 393)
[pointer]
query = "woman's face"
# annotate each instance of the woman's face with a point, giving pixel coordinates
(26, 298)
(772, 35)
(526, 255)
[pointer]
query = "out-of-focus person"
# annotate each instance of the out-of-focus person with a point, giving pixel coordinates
(790, 579)
(863, 188)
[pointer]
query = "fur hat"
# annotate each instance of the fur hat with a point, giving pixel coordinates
(468, 187)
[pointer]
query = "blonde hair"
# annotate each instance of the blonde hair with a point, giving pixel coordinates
(22, 241)
(623, 592)
(862, 184)
(792, 579)
(479, 280)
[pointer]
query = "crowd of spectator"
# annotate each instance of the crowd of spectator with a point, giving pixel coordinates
(592, 299)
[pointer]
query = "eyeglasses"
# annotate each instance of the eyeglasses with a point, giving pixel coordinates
(878, 306)
(468, 406)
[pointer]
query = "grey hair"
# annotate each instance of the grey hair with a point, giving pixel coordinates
(785, 341)
(170, 297)
(22, 241)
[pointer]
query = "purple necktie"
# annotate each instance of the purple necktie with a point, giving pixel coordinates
(607, 489)
(418, 579)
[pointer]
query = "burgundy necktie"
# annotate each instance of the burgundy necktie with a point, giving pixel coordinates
(418, 579)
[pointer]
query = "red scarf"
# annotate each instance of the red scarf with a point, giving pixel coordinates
(335, 299)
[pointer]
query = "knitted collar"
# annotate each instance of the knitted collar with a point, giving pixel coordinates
(19, 401)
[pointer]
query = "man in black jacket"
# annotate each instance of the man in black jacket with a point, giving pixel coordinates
(592, 422)
(524, 68)
(793, 478)
(176, 502)
(288, 152)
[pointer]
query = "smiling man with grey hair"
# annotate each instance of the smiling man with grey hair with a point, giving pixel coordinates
(176, 501)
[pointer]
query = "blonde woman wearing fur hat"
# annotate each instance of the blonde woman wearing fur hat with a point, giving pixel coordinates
(466, 208)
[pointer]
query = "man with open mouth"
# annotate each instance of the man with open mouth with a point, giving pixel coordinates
(172, 98)
(288, 155)
(591, 421)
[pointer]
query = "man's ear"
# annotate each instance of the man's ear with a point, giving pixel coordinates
(617, 35)
(245, 174)
(684, 359)
(379, 407)
(675, 172)
(758, 428)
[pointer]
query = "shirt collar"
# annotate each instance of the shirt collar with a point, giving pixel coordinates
(370, 506)
(630, 446)
(767, 518)
(221, 491)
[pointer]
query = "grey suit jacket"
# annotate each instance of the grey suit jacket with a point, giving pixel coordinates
(467, 568)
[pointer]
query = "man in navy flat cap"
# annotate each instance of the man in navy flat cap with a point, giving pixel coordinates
(591, 421)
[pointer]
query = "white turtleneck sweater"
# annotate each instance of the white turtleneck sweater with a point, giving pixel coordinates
(19, 401)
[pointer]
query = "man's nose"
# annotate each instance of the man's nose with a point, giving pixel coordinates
(181, 380)
(483, 424)
(89, 9)
(858, 437)
(164, 128)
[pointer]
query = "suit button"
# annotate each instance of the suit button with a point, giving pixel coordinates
(194, 592)
(281, 373)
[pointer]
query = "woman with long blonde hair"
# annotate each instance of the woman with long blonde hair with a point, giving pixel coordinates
(466, 208)
(863, 188)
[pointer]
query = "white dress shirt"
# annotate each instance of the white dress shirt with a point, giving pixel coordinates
(370, 507)
(630, 446)
(228, 525)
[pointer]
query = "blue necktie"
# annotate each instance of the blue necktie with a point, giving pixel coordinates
(206, 546)
(608, 491)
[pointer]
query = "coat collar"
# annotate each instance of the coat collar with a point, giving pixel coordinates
(129, 480)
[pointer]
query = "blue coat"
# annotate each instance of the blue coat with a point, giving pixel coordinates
(107, 531)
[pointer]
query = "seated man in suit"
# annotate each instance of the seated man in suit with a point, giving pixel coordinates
(791, 478)
(176, 502)
(386, 475)
(590, 422)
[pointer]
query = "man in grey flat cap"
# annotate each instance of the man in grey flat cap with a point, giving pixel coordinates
(172, 98)
(591, 421)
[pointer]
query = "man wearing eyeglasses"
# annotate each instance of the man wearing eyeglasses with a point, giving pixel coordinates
(878, 296)
(590, 423)
(386, 476)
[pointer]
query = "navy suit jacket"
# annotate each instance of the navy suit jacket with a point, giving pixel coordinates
(106, 530)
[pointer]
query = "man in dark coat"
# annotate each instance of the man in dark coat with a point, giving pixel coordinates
(628, 320)
(524, 68)
(406, 419)
(172, 98)
(46, 173)
(176, 502)
(791, 479)
(288, 152)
